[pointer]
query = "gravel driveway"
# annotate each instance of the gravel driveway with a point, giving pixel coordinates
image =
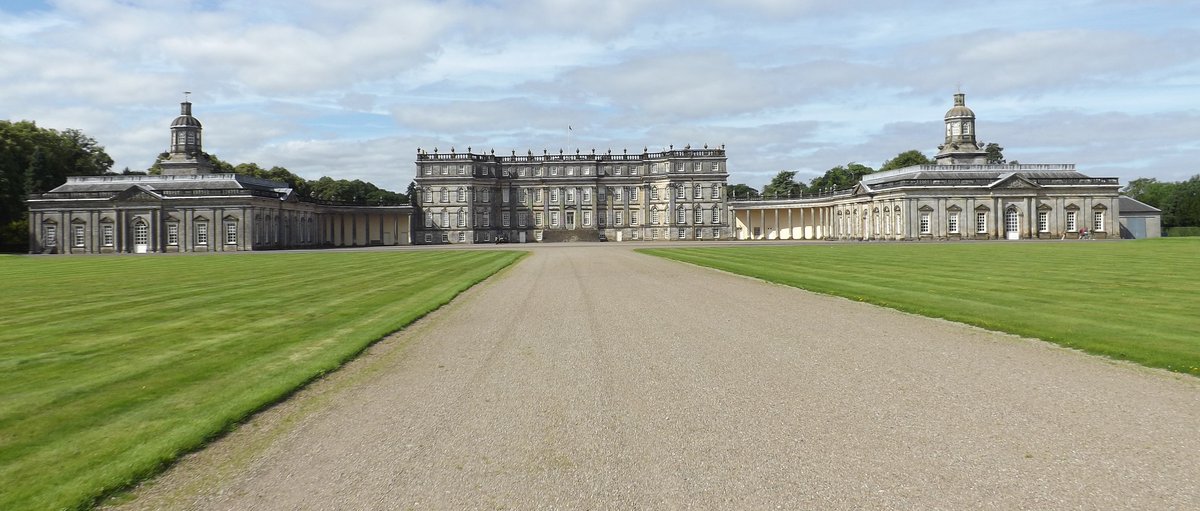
(596, 377)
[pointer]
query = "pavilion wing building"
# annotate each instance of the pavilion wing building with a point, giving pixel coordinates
(959, 197)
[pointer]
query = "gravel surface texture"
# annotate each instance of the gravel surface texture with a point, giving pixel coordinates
(598, 378)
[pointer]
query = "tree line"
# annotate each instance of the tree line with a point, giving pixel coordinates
(1179, 202)
(35, 160)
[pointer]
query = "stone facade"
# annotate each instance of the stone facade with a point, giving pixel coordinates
(676, 194)
(190, 209)
(961, 197)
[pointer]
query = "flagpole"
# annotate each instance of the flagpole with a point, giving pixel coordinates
(568, 138)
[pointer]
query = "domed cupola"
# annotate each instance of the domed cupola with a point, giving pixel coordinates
(186, 156)
(960, 146)
(185, 131)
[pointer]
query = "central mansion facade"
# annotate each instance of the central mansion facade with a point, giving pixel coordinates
(481, 198)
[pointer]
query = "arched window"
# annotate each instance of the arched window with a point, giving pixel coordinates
(141, 233)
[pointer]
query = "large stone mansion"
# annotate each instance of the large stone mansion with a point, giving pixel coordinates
(673, 194)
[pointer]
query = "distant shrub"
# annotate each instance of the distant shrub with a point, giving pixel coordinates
(1174, 232)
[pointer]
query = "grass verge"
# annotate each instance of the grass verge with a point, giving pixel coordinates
(115, 366)
(1131, 300)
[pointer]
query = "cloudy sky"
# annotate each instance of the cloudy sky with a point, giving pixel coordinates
(351, 88)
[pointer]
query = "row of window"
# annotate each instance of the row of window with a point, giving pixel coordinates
(570, 170)
(141, 234)
(1011, 221)
(681, 233)
(698, 191)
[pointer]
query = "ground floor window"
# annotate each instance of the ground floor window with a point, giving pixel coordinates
(231, 233)
(1072, 222)
(925, 223)
(634, 234)
(1043, 221)
(537, 235)
(50, 235)
(952, 223)
(981, 222)
(106, 235)
(1098, 221)
(445, 238)
(202, 233)
(462, 236)
(683, 234)
(428, 238)
(172, 234)
(77, 236)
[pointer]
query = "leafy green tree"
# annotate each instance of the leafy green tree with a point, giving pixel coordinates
(784, 185)
(906, 159)
(840, 177)
(995, 153)
(742, 191)
(34, 160)
(1184, 204)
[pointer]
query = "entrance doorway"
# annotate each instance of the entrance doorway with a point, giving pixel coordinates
(570, 220)
(141, 237)
(1012, 224)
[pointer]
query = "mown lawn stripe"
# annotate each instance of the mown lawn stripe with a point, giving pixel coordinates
(1128, 300)
(116, 365)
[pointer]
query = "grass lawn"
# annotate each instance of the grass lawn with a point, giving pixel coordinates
(1133, 300)
(114, 366)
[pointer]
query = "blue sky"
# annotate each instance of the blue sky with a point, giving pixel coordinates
(351, 89)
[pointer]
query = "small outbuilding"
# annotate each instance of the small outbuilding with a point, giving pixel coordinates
(1139, 220)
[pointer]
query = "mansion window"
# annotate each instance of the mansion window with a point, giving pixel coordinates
(554, 219)
(202, 233)
(173, 234)
(485, 196)
(445, 219)
(231, 233)
(653, 193)
(925, 225)
(554, 196)
(618, 218)
(587, 218)
(716, 215)
(633, 219)
(1098, 221)
(106, 235)
(537, 195)
(1072, 224)
(952, 223)
(981, 222)
(428, 170)
(617, 194)
(699, 167)
(571, 170)
(1043, 221)
(462, 195)
(445, 238)
(570, 196)
(428, 238)
(633, 194)
(445, 195)
(504, 195)
(487, 218)
(680, 215)
(716, 191)
(524, 196)
(553, 171)
(522, 218)
(428, 196)
(654, 217)
(429, 220)
(697, 191)
(587, 195)
(504, 219)
(462, 170)
(538, 219)
(462, 218)
(698, 216)
(682, 233)
(462, 236)
(680, 192)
